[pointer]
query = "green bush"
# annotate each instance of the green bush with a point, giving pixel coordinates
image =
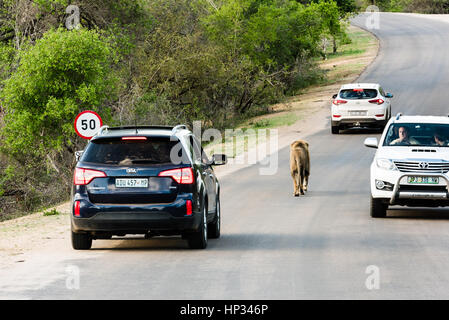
(63, 73)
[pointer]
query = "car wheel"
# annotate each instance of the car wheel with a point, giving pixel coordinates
(81, 241)
(198, 240)
(378, 208)
(335, 129)
(214, 227)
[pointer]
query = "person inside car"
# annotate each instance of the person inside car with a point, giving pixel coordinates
(440, 140)
(404, 138)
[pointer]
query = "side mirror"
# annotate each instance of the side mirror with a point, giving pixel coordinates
(219, 159)
(371, 143)
(335, 96)
(78, 155)
(389, 95)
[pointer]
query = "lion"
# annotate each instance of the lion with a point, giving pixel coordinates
(300, 166)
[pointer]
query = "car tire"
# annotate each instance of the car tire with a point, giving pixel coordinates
(378, 208)
(81, 241)
(335, 129)
(213, 228)
(198, 239)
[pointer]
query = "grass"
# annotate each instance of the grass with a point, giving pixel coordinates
(360, 41)
(274, 122)
(342, 72)
(245, 138)
(346, 62)
(52, 212)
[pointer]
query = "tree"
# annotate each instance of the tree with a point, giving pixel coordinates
(330, 15)
(345, 7)
(63, 73)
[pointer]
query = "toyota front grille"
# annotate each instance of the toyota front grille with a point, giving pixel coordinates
(422, 166)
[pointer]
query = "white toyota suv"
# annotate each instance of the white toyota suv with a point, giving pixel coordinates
(411, 164)
(360, 105)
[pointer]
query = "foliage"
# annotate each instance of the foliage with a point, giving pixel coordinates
(418, 6)
(52, 212)
(63, 73)
(345, 7)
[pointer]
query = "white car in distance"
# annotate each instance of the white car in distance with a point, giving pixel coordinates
(360, 105)
(411, 165)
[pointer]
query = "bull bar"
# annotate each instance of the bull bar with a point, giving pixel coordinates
(420, 195)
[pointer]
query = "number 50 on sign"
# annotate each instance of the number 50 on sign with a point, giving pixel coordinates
(87, 124)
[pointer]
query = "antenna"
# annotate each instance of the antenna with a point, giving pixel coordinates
(135, 120)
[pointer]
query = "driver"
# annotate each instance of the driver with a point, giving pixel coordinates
(404, 138)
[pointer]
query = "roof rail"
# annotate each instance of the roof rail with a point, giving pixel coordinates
(398, 116)
(102, 129)
(180, 127)
(139, 127)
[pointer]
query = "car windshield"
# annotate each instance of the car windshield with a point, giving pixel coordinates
(358, 93)
(115, 151)
(417, 134)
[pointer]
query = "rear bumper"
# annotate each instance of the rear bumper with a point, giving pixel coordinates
(135, 218)
(359, 122)
(135, 223)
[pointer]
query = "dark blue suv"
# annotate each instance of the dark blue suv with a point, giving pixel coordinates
(149, 180)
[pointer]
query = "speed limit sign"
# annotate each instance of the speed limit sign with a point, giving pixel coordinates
(87, 124)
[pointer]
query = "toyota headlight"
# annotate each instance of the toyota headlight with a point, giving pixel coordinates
(386, 164)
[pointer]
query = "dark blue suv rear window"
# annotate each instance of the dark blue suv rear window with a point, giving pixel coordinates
(115, 151)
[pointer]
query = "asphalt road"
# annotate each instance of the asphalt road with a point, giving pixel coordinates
(275, 246)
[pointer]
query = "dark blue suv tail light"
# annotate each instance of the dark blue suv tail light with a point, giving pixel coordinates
(180, 175)
(83, 176)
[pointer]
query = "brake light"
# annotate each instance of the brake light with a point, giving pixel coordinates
(76, 212)
(189, 207)
(181, 175)
(134, 138)
(379, 115)
(339, 102)
(358, 90)
(336, 116)
(83, 176)
(377, 101)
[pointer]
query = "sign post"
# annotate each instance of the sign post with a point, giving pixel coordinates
(87, 124)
